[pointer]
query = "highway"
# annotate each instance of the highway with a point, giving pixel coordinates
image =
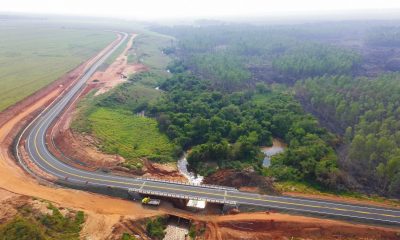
(39, 154)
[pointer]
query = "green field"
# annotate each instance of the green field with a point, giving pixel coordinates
(130, 136)
(147, 49)
(111, 117)
(33, 56)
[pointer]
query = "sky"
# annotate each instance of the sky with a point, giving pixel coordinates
(171, 9)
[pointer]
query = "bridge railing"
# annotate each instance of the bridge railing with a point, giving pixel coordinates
(181, 196)
(190, 184)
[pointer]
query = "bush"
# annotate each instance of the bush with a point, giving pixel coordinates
(155, 228)
(21, 229)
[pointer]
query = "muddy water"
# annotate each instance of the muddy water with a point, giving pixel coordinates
(182, 168)
(277, 147)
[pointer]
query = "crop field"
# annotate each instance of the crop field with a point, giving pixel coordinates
(129, 135)
(31, 57)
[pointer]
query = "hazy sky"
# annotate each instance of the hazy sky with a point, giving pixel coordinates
(152, 9)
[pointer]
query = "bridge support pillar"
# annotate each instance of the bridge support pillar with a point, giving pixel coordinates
(134, 195)
(229, 207)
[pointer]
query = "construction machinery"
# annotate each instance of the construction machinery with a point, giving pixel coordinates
(150, 201)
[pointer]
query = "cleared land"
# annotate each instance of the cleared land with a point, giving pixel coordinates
(31, 57)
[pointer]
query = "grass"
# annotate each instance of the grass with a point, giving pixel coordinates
(111, 117)
(31, 56)
(130, 136)
(147, 49)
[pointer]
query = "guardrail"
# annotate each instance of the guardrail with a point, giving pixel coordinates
(181, 196)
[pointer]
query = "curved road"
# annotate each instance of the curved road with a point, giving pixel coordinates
(38, 152)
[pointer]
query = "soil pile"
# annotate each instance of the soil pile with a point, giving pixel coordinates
(244, 180)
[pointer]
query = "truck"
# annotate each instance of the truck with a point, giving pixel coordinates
(151, 201)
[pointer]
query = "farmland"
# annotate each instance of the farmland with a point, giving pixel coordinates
(31, 57)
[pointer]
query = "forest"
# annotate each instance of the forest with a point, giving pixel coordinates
(368, 110)
(235, 87)
(226, 130)
(231, 55)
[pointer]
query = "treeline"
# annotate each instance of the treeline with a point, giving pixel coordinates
(310, 60)
(369, 111)
(386, 36)
(226, 130)
(228, 54)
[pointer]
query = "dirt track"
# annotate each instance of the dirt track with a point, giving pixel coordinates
(280, 226)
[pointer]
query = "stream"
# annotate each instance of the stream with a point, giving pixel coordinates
(277, 147)
(182, 168)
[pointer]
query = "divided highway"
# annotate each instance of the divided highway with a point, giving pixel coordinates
(38, 152)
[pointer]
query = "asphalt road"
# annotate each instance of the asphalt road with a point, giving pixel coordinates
(38, 152)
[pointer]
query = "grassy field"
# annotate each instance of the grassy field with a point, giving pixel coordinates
(147, 49)
(111, 117)
(31, 57)
(129, 135)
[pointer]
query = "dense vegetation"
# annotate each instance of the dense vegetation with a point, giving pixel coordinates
(234, 56)
(316, 60)
(225, 130)
(21, 229)
(29, 226)
(388, 36)
(369, 112)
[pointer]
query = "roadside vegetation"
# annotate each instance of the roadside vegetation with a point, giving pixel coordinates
(118, 118)
(148, 50)
(28, 225)
(156, 228)
(34, 56)
(133, 137)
